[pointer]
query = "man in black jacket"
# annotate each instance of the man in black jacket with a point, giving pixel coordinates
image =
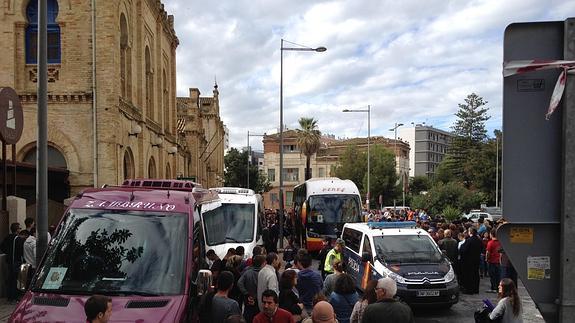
(13, 247)
(470, 253)
(326, 247)
(248, 285)
(387, 308)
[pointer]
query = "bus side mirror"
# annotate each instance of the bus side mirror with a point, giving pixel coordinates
(365, 257)
(23, 277)
(304, 212)
(204, 282)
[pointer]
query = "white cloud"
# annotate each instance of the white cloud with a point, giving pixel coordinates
(411, 62)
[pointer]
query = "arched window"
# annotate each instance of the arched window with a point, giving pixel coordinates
(166, 103)
(123, 54)
(32, 33)
(152, 168)
(168, 174)
(129, 170)
(149, 84)
(55, 158)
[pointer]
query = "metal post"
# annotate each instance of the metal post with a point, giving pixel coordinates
(5, 177)
(281, 190)
(567, 270)
(368, 154)
(249, 160)
(42, 141)
(15, 167)
(496, 171)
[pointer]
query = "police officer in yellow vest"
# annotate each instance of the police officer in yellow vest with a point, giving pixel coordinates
(334, 254)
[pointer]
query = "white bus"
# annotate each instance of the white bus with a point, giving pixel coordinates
(233, 220)
(321, 207)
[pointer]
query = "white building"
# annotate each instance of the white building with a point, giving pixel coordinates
(428, 148)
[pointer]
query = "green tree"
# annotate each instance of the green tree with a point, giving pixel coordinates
(308, 140)
(470, 133)
(419, 184)
(451, 194)
(235, 174)
(352, 165)
(383, 176)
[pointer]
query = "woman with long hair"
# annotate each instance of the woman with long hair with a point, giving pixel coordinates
(288, 300)
(343, 297)
(509, 306)
(369, 297)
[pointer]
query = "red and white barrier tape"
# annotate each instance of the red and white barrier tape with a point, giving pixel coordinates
(520, 67)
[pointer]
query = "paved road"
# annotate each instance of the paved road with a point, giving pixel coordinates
(463, 311)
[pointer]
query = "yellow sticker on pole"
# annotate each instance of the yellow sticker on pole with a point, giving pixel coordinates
(521, 235)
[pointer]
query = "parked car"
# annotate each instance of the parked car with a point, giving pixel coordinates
(474, 216)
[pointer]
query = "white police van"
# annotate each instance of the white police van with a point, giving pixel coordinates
(405, 253)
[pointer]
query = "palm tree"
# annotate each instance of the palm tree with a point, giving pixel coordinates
(308, 140)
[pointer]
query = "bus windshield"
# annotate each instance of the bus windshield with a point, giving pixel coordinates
(117, 252)
(334, 208)
(230, 223)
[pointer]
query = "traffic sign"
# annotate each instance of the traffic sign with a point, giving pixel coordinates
(11, 116)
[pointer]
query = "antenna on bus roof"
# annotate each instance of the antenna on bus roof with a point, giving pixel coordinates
(132, 196)
(168, 193)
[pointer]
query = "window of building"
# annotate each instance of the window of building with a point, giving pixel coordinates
(152, 168)
(271, 174)
(125, 59)
(166, 102)
(149, 84)
(168, 174)
(32, 33)
(128, 164)
(55, 157)
(291, 174)
(290, 149)
(321, 172)
(274, 197)
(289, 199)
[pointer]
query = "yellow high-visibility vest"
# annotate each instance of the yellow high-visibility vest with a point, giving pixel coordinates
(327, 266)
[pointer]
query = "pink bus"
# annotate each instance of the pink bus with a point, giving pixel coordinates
(138, 243)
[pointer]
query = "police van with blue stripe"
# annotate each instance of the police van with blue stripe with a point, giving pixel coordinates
(405, 253)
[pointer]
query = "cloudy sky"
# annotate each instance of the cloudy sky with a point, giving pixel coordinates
(410, 60)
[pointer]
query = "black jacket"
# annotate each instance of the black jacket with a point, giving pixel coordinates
(13, 247)
(288, 301)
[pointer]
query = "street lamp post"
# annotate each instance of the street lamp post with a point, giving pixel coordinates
(281, 188)
(250, 155)
(368, 145)
(394, 129)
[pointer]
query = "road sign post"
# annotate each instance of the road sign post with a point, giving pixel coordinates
(539, 165)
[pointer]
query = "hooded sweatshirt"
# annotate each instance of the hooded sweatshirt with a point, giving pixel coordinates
(309, 283)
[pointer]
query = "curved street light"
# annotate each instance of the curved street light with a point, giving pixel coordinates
(281, 193)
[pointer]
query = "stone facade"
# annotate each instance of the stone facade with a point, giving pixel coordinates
(321, 163)
(129, 85)
(204, 134)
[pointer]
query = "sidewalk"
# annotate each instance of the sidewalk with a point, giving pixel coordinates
(5, 310)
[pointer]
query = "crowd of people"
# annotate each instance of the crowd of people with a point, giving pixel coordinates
(270, 288)
(474, 251)
(265, 288)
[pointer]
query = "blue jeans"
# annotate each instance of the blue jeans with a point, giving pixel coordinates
(494, 276)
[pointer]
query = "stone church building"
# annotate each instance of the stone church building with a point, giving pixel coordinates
(112, 108)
